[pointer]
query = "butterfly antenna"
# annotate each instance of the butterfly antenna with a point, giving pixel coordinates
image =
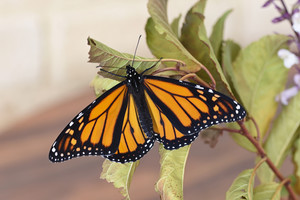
(136, 49)
(151, 66)
(112, 73)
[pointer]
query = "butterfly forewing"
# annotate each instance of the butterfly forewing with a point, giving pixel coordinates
(190, 107)
(94, 131)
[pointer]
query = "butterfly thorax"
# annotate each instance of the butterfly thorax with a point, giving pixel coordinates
(133, 79)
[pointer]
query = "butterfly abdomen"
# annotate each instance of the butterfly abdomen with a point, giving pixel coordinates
(144, 117)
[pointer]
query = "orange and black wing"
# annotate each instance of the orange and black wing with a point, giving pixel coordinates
(183, 109)
(134, 143)
(164, 130)
(96, 130)
(109, 127)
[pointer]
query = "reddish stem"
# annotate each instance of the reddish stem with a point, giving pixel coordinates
(262, 153)
(256, 127)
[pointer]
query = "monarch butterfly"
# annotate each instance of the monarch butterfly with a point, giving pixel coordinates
(123, 123)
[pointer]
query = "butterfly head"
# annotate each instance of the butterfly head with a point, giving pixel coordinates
(130, 69)
(133, 78)
(131, 73)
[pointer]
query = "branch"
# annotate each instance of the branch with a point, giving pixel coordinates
(263, 154)
(256, 127)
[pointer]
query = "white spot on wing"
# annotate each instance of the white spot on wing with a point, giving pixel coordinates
(79, 115)
(199, 87)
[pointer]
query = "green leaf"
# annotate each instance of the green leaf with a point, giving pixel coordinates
(170, 184)
(296, 161)
(229, 54)
(175, 26)
(195, 40)
(101, 84)
(216, 37)
(268, 191)
(259, 76)
(230, 49)
(119, 174)
(113, 60)
(161, 39)
(281, 137)
(296, 154)
(293, 183)
(242, 187)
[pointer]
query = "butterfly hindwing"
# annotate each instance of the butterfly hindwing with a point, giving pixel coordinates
(134, 142)
(190, 107)
(165, 132)
(94, 131)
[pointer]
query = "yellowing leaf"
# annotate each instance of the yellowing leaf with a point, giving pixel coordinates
(195, 40)
(161, 39)
(113, 60)
(175, 26)
(119, 174)
(170, 183)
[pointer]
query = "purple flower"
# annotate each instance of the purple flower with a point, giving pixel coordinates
(289, 59)
(287, 94)
(296, 22)
(267, 3)
(297, 80)
(278, 19)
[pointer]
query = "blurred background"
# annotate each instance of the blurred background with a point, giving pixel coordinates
(44, 83)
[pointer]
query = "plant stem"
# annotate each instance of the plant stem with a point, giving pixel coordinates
(256, 127)
(263, 154)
